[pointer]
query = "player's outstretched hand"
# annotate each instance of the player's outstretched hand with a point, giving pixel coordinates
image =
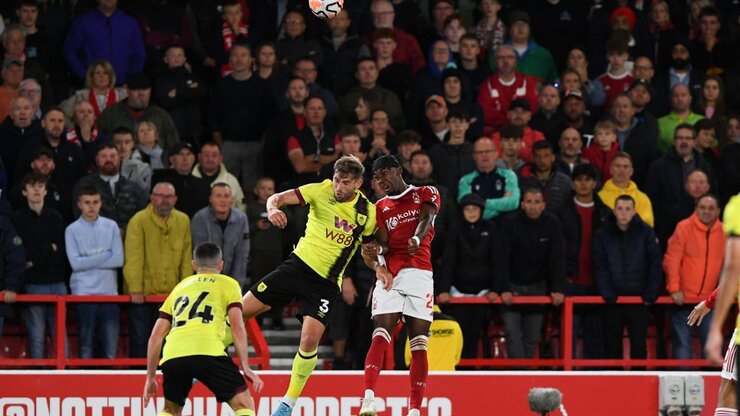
(257, 383)
(698, 313)
(713, 347)
(277, 218)
(384, 276)
(150, 390)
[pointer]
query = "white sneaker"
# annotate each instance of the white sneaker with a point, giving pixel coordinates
(414, 412)
(368, 408)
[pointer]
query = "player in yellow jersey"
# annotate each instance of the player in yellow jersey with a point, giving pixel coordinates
(192, 319)
(339, 218)
(728, 285)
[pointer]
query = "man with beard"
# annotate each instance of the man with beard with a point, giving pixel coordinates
(138, 107)
(680, 72)
(68, 158)
(570, 145)
(122, 198)
(574, 114)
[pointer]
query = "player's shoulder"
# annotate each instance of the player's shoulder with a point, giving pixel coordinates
(315, 188)
(731, 219)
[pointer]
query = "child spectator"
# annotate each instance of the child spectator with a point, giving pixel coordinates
(95, 251)
(470, 257)
(233, 30)
(267, 240)
(603, 149)
(617, 78)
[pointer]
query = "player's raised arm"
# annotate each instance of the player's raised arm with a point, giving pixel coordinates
(240, 344)
(727, 293)
(274, 214)
(371, 253)
(159, 332)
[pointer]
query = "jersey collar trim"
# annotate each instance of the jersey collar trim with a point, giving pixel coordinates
(410, 188)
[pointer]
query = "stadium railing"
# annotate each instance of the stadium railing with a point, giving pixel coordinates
(566, 360)
(261, 357)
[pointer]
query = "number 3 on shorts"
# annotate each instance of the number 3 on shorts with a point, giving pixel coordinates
(324, 308)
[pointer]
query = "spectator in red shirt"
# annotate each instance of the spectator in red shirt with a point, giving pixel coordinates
(501, 88)
(408, 50)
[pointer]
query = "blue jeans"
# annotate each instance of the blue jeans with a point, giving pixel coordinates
(103, 318)
(40, 315)
(681, 333)
(141, 319)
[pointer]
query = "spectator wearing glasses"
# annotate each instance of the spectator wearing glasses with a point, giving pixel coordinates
(498, 187)
(158, 253)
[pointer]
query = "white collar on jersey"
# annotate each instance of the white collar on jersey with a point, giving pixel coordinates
(410, 187)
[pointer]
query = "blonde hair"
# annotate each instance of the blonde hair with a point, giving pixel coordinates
(605, 125)
(108, 69)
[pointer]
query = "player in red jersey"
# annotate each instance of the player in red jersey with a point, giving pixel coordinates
(401, 257)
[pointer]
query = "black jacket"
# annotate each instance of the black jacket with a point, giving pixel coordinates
(12, 140)
(39, 232)
(627, 263)
(128, 200)
(532, 251)
(470, 256)
(665, 185)
(338, 72)
(12, 260)
(572, 231)
(184, 107)
(642, 146)
(69, 161)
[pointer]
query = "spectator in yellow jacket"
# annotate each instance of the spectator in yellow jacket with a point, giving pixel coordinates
(621, 184)
(445, 343)
(157, 252)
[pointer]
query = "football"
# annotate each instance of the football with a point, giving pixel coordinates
(325, 9)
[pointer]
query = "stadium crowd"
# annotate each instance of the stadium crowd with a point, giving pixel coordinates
(579, 148)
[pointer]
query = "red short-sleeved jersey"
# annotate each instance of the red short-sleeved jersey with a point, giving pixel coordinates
(399, 215)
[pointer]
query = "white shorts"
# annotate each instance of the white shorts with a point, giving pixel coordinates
(411, 294)
(729, 367)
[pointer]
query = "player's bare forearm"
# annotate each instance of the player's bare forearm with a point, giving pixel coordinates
(240, 336)
(728, 284)
(283, 198)
(426, 217)
(154, 347)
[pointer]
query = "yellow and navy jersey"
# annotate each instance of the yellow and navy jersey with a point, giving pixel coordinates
(731, 224)
(197, 308)
(731, 219)
(332, 236)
